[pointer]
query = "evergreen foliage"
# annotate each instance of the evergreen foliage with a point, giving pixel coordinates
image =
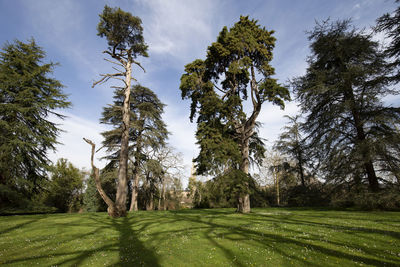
(353, 133)
(291, 143)
(28, 96)
(123, 31)
(64, 190)
(147, 132)
(390, 25)
(218, 88)
(147, 129)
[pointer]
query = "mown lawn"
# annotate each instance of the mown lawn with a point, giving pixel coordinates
(220, 237)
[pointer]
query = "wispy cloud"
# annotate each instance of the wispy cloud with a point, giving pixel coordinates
(182, 29)
(73, 147)
(63, 26)
(182, 134)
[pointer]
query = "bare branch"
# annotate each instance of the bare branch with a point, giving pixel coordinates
(114, 62)
(121, 71)
(96, 175)
(137, 63)
(106, 77)
(219, 89)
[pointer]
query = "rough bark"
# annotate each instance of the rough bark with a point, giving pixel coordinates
(112, 210)
(122, 187)
(246, 131)
(135, 183)
(301, 169)
(163, 195)
(150, 202)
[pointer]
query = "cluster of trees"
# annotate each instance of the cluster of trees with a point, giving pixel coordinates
(28, 95)
(147, 169)
(140, 166)
(345, 143)
(344, 146)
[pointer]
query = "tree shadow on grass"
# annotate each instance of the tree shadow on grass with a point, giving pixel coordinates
(244, 234)
(18, 226)
(134, 245)
(132, 251)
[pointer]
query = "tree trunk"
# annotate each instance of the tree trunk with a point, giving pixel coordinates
(135, 182)
(134, 204)
(244, 200)
(361, 138)
(301, 171)
(112, 210)
(150, 201)
(122, 187)
(277, 187)
(148, 194)
(163, 196)
(159, 203)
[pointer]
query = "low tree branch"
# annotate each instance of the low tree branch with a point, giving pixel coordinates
(106, 77)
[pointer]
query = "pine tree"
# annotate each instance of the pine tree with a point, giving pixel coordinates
(341, 97)
(28, 95)
(124, 35)
(237, 67)
(147, 130)
(292, 144)
(390, 25)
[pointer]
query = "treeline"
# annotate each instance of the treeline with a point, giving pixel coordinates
(342, 150)
(142, 171)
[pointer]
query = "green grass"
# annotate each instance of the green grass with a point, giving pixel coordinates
(220, 237)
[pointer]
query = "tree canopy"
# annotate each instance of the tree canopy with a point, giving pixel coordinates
(340, 94)
(123, 31)
(28, 96)
(124, 35)
(237, 67)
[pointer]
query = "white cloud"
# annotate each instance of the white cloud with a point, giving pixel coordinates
(179, 28)
(73, 147)
(62, 25)
(182, 135)
(272, 119)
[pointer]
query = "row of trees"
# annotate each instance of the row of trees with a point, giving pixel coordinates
(137, 151)
(140, 165)
(345, 135)
(28, 95)
(346, 139)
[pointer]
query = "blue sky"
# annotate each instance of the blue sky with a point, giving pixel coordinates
(177, 32)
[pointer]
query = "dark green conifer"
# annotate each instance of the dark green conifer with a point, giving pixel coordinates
(237, 68)
(28, 96)
(341, 97)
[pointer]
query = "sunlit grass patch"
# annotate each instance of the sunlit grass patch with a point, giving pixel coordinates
(220, 237)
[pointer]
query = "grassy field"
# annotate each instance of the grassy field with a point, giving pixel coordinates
(266, 237)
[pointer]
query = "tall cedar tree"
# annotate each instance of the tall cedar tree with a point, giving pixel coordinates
(390, 25)
(124, 35)
(28, 95)
(147, 130)
(236, 67)
(340, 95)
(291, 143)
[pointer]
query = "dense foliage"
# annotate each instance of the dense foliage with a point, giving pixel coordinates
(218, 88)
(28, 96)
(124, 34)
(64, 190)
(354, 133)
